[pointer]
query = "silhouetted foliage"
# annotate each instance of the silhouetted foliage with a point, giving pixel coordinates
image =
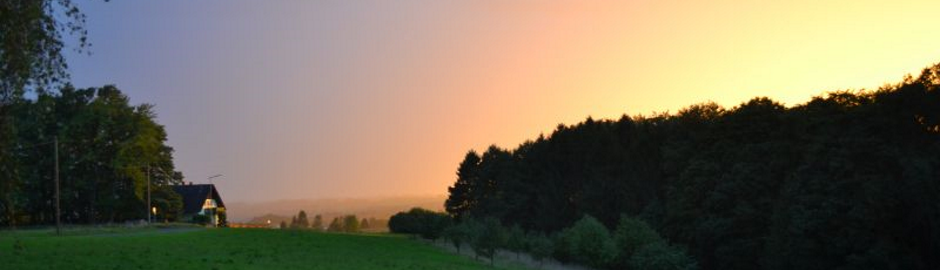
(108, 149)
(317, 224)
(31, 44)
(300, 221)
(848, 180)
(661, 256)
(488, 236)
(458, 234)
(425, 223)
(336, 225)
(223, 218)
(631, 235)
(539, 246)
(364, 224)
(588, 242)
(516, 240)
(350, 224)
(200, 219)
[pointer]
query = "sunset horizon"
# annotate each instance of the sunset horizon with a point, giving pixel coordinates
(329, 86)
(496, 134)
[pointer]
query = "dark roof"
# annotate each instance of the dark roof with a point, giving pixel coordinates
(195, 195)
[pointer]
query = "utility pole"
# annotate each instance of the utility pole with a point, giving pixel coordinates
(58, 220)
(148, 196)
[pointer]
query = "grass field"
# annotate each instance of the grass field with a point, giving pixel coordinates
(179, 249)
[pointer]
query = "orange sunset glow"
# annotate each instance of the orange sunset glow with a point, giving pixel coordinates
(383, 98)
(470, 134)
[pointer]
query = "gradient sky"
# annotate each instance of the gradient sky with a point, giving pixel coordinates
(326, 99)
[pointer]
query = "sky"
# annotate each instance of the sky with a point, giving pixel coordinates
(347, 99)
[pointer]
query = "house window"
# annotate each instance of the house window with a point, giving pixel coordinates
(209, 204)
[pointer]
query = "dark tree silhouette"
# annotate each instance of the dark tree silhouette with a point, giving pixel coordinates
(425, 223)
(31, 43)
(848, 180)
(107, 148)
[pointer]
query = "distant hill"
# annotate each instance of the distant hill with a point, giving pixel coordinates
(379, 207)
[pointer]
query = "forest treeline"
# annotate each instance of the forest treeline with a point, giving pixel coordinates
(848, 180)
(107, 149)
(342, 223)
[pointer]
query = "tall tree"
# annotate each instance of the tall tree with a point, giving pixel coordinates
(107, 149)
(460, 200)
(317, 222)
(351, 224)
(336, 225)
(302, 221)
(31, 43)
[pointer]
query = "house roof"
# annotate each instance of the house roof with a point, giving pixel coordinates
(194, 196)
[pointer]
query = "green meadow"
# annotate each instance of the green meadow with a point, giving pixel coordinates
(179, 249)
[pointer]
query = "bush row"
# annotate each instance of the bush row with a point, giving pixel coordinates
(633, 244)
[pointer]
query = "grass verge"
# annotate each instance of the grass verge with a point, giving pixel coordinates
(154, 248)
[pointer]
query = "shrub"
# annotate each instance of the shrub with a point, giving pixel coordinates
(350, 224)
(539, 246)
(516, 239)
(631, 235)
(426, 223)
(562, 247)
(458, 234)
(201, 219)
(336, 225)
(436, 224)
(223, 219)
(661, 256)
(488, 237)
(588, 242)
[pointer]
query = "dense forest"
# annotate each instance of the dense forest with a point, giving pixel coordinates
(848, 180)
(108, 149)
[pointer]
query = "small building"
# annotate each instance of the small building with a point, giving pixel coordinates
(202, 200)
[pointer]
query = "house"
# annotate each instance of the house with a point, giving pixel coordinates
(202, 200)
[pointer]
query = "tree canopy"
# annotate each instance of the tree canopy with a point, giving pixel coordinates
(108, 150)
(31, 43)
(426, 223)
(848, 180)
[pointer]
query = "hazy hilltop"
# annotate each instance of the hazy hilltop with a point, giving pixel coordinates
(378, 207)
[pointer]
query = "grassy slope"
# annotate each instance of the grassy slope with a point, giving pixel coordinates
(224, 249)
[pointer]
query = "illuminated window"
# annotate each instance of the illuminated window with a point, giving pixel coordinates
(210, 203)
